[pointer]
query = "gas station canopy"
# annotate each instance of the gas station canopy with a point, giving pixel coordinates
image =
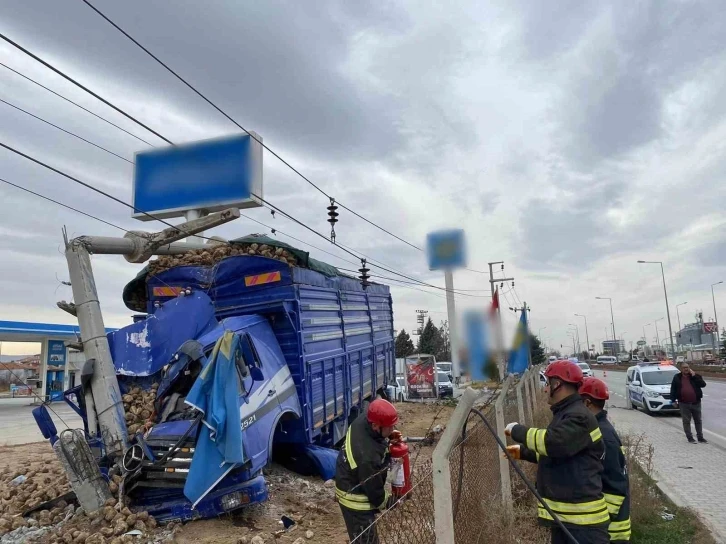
(20, 331)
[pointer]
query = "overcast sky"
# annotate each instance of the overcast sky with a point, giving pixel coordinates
(569, 139)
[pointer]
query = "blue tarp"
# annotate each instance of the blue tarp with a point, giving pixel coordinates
(143, 348)
(216, 394)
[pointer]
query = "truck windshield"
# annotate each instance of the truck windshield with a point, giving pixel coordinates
(443, 377)
(661, 377)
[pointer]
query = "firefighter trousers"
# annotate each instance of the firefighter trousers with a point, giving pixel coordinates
(358, 522)
(583, 535)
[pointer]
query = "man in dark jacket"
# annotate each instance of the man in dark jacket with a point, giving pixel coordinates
(569, 455)
(361, 470)
(615, 481)
(686, 392)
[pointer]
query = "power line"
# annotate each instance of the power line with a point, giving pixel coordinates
(81, 86)
(249, 133)
(76, 104)
(95, 95)
(62, 204)
(66, 131)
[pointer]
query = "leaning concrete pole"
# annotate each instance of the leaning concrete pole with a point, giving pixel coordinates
(137, 247)
(105, 390)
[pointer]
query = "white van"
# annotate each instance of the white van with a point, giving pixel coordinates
(607, 360)
(649, 386)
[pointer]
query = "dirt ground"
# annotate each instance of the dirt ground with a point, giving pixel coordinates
(307, 500)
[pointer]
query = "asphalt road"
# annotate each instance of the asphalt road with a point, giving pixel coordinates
(714, 406)
(17, 425)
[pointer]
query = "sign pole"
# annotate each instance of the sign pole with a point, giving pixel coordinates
(451, 312)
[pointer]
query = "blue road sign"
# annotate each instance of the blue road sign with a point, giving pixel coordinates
(446, 249)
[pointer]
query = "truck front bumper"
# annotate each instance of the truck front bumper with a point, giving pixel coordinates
(171, 504)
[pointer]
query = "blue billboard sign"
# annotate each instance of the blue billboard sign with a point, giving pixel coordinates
(210, 175)
(446, 249)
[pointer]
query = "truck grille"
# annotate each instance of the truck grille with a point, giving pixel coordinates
(666, 395)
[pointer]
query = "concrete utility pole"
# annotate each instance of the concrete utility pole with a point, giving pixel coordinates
(453, 329)
(106, 406)
(587, 335)
(500, 333)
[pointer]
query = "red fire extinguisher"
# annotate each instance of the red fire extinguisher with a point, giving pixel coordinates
(400, 468)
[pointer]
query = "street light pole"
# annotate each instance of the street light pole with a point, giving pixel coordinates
(611, 316)
(665, 292)
(678, 315)
(577, 329)
(715, 316)
(657, 337)
(587, 335)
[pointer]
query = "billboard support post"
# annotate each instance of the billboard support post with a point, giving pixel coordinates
(451, 314)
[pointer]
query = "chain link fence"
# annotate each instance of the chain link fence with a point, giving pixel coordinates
(452, 495)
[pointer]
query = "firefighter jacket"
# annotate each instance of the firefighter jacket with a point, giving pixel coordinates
(615, 482)
(361, 468)
(569, 454)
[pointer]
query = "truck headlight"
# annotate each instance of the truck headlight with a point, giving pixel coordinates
(234, 500)
(652, 394)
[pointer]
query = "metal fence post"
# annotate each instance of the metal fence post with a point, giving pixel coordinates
(443, 504)
(533, 385)
(505, 479)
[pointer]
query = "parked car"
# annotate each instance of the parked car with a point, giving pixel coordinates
(607, 360)
(552, 359)
(649, 386)
(446, 387)
(586, 370)
(397, 391)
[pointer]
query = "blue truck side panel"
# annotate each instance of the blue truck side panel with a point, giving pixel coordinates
(336, 338)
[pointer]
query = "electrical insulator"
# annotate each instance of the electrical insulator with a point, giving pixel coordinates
(501, 285)
(502, 266)
(273, 231)
(512, 283)
(272, 212)
(333, 219)
(364, 274)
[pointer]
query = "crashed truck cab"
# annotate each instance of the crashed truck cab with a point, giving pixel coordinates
(315, 347)
(159, 463)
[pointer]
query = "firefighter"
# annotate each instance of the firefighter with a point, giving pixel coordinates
(569, 456)
(361, 470)
(615, 482)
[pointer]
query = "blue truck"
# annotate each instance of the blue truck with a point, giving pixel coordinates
(317, 346)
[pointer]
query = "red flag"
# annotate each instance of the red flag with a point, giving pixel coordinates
(495, 303)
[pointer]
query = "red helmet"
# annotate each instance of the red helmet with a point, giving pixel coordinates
(595, 388)
(567, 371)
(383, 413)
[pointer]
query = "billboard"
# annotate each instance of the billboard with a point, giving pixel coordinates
(56, 353)
(210, 175)
(446, 249)
(421, 377)
(710, 327)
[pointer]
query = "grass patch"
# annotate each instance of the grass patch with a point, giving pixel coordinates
(648, 504)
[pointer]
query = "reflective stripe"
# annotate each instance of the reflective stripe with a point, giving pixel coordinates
(536, 440)
(349, 451)
(537, 454)
(619, 530)
(596, 434)
(614, 502)
(531, 434)
(584, 513)
(353, 501)
(382, 507)
(541, 433)
(622, 448)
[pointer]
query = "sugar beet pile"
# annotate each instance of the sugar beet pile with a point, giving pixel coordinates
(215, 253)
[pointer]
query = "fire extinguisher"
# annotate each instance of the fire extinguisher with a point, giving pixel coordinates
(400, 468)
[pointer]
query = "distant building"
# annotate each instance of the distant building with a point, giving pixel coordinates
(613, 347)
(696, 334)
